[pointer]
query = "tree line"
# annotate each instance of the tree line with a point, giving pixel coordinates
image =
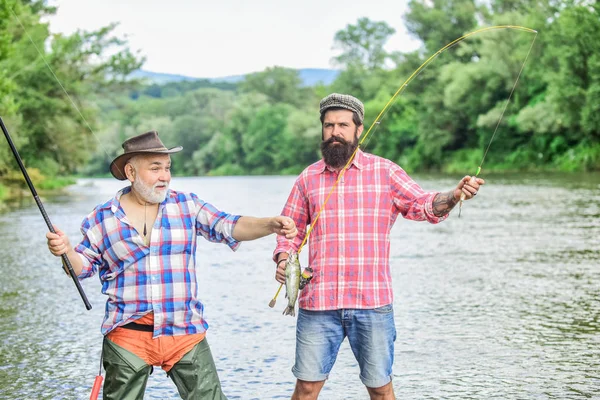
(269, 122)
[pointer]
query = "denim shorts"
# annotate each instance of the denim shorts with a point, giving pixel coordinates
(371, 334)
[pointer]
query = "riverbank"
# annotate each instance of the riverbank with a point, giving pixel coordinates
(14, 191)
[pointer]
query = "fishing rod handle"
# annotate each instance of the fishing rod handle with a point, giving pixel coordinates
(96, 387)
(463, 196)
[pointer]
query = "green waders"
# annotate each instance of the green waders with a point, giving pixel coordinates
(195, 375)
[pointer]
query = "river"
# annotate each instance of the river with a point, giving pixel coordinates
(502, 303)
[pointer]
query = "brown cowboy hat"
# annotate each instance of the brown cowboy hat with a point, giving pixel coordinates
(146, 143)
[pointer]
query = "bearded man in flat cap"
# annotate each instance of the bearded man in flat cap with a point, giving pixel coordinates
(350, 294)
(142, 245)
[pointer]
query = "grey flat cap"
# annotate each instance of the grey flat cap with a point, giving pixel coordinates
(343, 101)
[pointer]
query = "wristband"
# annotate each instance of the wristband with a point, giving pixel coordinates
(280, 261)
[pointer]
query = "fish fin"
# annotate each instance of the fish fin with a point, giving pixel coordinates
(289, 310)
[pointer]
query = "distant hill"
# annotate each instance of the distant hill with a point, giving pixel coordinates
(160, 78)
(309, 76)
(313, 76)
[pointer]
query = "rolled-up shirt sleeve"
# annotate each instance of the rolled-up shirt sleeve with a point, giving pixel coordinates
(411, 200)
(88, 249)
(214, 225)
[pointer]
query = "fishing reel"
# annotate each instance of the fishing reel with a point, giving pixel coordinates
(305, 277)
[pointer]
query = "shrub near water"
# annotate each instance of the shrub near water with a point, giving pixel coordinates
(3, 192)
(15, 180)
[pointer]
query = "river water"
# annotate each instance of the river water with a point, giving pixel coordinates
(502, 303)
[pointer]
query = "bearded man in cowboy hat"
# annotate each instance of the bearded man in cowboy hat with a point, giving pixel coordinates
(350, 294)
(142, 244)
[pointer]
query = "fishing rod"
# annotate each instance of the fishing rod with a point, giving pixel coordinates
(64, 257)
(402, 87)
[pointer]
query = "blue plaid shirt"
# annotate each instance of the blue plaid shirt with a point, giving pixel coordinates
(159, 277)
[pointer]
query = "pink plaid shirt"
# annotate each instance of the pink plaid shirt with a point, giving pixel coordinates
(349, 246)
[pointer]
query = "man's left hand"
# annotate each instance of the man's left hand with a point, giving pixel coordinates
(469, 186)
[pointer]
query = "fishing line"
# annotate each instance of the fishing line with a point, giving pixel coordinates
(463, 196)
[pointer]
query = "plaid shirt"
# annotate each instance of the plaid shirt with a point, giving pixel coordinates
(349, 246)
(160, 277)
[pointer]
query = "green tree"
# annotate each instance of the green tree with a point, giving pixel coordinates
(363, 57)
(439, 22)
(55, 133)
(280, 85)
(264, 138)
(299, 143)
(362, 44)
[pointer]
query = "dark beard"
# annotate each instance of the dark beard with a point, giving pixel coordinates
(336, 156)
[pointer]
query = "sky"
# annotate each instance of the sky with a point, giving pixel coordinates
(218, 38)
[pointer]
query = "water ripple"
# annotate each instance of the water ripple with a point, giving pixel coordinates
(503, 303)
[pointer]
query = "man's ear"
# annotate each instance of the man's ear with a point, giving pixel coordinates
(130, 172)
(360, 130)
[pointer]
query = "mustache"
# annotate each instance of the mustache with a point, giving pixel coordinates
(334, 139)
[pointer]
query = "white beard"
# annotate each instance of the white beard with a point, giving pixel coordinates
(148, 193)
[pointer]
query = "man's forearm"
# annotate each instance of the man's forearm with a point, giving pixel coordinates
(75, 260)
(250, 228)
(443, 203)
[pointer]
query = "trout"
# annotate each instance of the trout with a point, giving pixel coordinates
(292, 283)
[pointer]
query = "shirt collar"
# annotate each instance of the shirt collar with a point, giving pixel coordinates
(115, 202)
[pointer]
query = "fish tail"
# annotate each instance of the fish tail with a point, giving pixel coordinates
(289, 310)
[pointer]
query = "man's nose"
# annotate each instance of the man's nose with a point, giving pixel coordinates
(336, 131)
(165, 175)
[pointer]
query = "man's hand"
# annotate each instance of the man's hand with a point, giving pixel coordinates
(58, 243)
(280, 272)
(284, 226)
(469, 186)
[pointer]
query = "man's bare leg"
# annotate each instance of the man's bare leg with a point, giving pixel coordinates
(382, 393)
(306, 390)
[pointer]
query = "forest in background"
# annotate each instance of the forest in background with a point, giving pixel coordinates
(269, 122)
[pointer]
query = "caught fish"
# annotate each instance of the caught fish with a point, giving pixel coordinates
(292, 283)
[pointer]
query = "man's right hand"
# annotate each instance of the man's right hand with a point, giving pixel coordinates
(281, 264)
(58, 243)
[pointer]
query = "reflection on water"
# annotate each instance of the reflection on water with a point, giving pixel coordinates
(502, 303)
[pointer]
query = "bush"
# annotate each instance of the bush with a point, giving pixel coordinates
(581, 158)
(228, 170)
(3, 192)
